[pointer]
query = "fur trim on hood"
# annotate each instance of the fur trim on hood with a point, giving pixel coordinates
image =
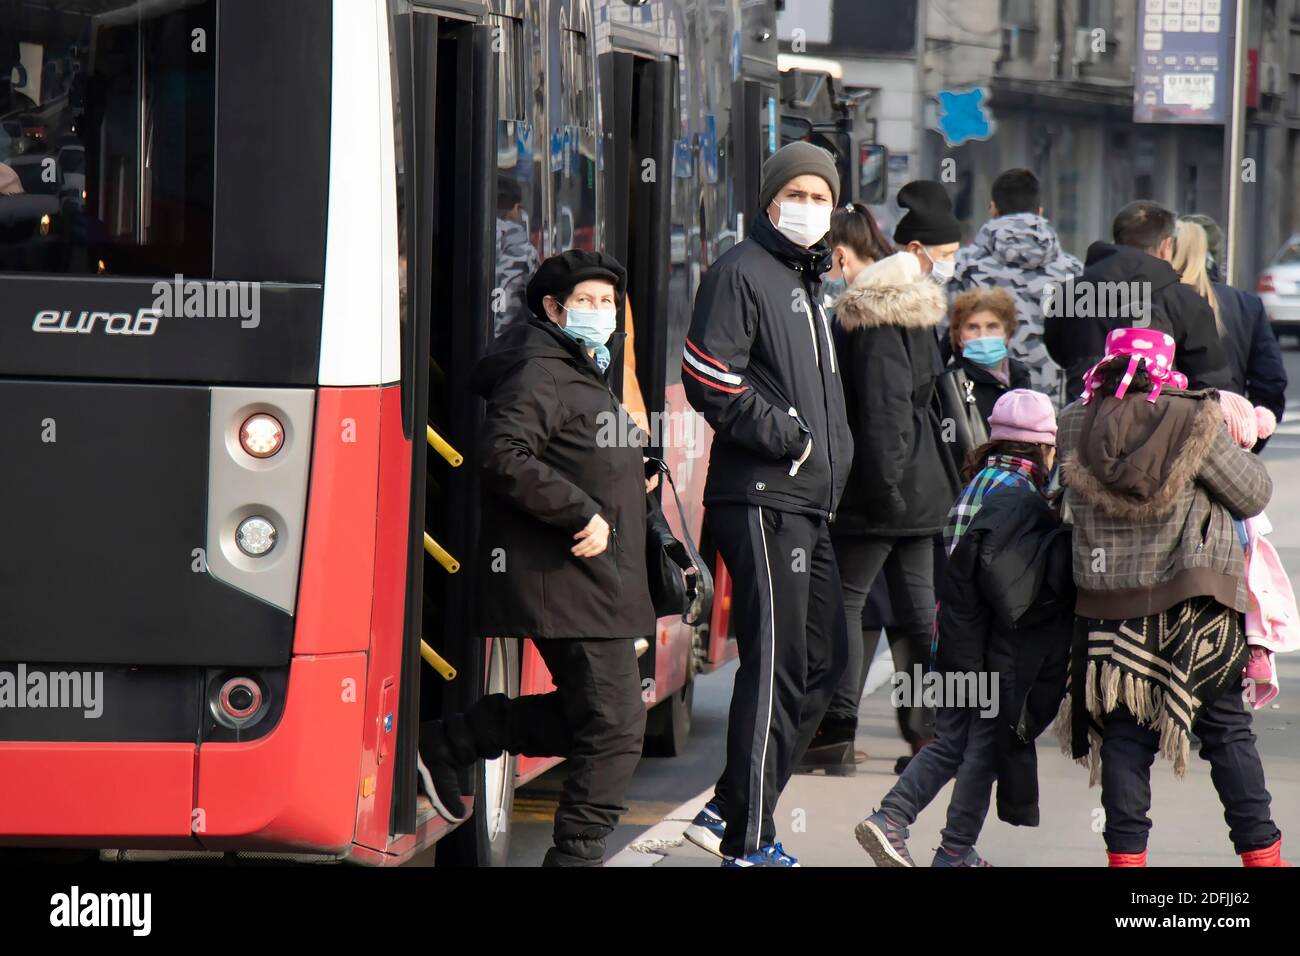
(1206, 423)
(892, 291)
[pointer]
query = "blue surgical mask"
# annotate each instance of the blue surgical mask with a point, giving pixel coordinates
(986, 351)
(592, 328)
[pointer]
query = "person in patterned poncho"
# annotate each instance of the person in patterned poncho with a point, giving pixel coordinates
(1153, 482)
(1018, 250)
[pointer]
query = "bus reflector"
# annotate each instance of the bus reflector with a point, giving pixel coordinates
(261, 435)
(240, 699)
(255, 536)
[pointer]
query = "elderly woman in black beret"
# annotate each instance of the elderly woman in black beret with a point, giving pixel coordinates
(561, 556)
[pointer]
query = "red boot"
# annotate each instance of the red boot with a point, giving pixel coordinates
(1269, 856)
(1127, 859)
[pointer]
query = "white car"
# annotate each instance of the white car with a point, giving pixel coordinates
(1279, 287)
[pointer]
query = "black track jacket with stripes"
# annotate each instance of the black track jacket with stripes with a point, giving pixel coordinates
(759, 364)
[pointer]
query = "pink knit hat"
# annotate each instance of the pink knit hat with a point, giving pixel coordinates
(1248, 424)
(1239, 415)
(1023, 415)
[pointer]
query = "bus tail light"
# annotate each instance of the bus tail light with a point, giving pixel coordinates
(261, 435)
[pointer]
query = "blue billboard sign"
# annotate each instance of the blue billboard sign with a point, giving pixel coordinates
(1183, 63)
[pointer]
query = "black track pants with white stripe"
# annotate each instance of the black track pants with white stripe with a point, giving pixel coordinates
(792, 643)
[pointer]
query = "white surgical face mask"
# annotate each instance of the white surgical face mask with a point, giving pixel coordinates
(941, 270)
(804, 223)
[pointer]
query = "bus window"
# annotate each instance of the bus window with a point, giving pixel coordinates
(573, 148)
(518, 202)
(109, 115)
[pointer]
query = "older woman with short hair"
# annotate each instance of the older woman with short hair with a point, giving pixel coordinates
(983, 322)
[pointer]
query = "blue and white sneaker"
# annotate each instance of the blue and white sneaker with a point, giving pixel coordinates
(706, 830)
(773, 855)
(944, 857)
(884, 840)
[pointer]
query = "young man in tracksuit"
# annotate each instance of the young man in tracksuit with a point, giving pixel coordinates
(759, 364)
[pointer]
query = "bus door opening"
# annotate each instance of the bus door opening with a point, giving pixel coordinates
(638, 204)
(453, 185)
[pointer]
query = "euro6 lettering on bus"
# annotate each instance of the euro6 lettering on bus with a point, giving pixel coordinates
(144, 322)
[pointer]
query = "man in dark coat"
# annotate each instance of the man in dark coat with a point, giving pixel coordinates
(561, 557)
(1131, 283)
(759, 364)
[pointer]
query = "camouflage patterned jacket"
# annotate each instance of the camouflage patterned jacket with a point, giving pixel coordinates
(1021, 254)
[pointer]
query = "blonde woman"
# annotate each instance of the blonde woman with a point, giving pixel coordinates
(1191, 249)
(1250, 349)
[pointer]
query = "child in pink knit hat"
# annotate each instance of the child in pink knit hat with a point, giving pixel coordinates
(1272, 622)
(1247, 423)
(1005, 615)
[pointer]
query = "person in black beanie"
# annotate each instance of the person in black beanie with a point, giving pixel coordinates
(903, 480)
(760, 366)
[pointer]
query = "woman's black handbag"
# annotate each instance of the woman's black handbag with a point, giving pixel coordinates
(680, 581)
(958, 412)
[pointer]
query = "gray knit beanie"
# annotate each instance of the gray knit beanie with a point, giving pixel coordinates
(797, 159)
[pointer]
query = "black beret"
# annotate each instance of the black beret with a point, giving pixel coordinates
(559, 274)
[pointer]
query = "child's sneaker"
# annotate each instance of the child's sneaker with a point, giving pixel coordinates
(1259, 665)
(1259, 679)
(706, 830)
(773, 855)
(967, 857)
(884, 840)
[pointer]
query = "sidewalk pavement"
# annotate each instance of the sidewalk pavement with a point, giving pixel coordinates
(817, 814)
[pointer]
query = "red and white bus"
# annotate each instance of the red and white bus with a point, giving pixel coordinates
(250, 251)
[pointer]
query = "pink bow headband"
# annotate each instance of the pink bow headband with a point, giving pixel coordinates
(1151, 345)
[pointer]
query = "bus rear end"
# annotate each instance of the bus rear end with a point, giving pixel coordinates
(207, 475)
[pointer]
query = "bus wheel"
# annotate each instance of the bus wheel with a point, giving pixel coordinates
(669, 724)
(484, 839)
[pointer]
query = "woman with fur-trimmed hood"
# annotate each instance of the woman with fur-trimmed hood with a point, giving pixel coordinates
(1154, 484)
(903, 481)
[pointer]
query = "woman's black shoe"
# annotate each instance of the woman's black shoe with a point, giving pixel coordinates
(832, 750)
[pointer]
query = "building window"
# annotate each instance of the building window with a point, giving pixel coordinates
(1098, 13)
(1018, 13)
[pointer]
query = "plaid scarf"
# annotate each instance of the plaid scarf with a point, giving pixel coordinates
(999, 471)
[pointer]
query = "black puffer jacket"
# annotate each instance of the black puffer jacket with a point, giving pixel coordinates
(903, 480)
(1252, 352)
(1006, 607)
(989, 388)
(546, 471)
(759, 365)
(1076, 343)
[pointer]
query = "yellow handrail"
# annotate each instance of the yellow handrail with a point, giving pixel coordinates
(439, 554)
(439, 444)
(437, 661)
